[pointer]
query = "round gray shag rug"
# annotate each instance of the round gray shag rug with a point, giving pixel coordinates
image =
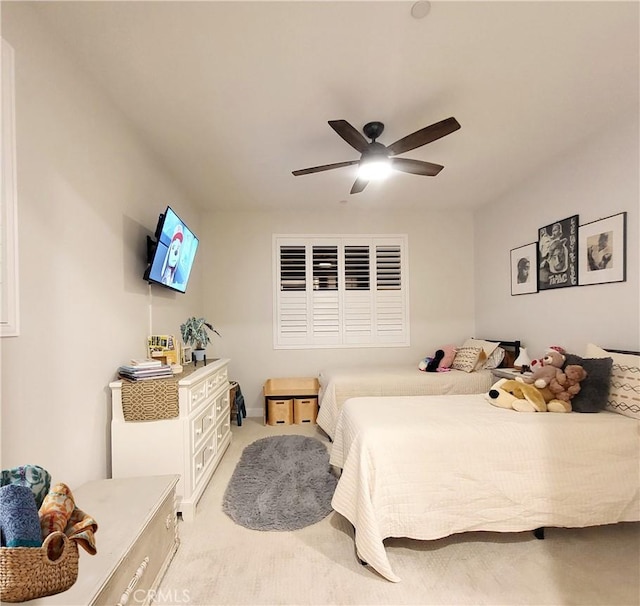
(281, 483)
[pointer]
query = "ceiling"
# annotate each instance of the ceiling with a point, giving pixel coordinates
(233, 96)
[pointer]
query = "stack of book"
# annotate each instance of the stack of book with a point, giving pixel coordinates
(144, 370)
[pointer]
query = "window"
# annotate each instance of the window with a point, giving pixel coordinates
(8, 214)
(340, 291)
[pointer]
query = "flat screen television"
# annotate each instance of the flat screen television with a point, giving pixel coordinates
(171, 257)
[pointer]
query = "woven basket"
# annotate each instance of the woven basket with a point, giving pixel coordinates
(28, 572)
(150, 400)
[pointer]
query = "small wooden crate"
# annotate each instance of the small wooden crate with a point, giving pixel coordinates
(305, 410)
(288, 389)
(280, 412)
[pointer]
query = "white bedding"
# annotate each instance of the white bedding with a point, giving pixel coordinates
(337, 385)
(452, 464)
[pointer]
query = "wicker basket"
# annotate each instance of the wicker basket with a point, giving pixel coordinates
(28, 572)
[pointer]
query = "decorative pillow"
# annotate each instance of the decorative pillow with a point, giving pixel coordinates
(624, 386)
(466, 358)
(449, 355)
(594, 389)
(488, 346)
(494, 360)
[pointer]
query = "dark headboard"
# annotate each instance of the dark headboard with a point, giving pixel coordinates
(622, 351)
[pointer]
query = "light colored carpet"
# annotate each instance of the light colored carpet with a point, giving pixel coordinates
(220, 562)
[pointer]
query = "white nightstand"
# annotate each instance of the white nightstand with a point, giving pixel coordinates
(508, 373)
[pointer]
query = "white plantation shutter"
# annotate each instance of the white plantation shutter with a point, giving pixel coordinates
(390, 315)
(340, 291)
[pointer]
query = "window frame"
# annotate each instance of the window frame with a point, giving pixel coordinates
(339, 317)
(9, 302)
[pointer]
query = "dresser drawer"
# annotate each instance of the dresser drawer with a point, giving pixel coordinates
(223, 428)
(140, 568)
(201, 424)
(196, 395)
(202, 458)
(221, 403)
(217, 379)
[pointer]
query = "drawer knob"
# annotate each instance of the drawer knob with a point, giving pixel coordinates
(199, 466)
(198, 431)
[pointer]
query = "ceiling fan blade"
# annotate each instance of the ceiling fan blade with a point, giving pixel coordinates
(352, 136)
(416, 167)
(423, 136)
(359, 185)
(318, 169)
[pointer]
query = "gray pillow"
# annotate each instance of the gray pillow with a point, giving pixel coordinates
(594, 389)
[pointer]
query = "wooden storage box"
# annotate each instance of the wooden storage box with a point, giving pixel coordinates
(288, 389)
(305, 410)
(280, 412)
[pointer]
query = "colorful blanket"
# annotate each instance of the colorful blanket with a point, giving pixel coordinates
(59, 512)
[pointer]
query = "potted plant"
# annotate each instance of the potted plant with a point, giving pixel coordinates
(194, 333)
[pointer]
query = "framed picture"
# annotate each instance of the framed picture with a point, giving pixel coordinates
(524, 277)
(558, 254)
(602, 246)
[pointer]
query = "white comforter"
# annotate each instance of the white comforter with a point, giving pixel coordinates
(451, 464)
(337, 385)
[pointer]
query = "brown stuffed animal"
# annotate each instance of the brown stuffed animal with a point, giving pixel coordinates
(567, 384)
(542, 375)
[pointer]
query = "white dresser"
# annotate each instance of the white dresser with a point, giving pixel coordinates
(190, 445)
(136, 539)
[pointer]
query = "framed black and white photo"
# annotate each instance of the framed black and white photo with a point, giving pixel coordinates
(602, 246)
(558, 254)
(524, 277)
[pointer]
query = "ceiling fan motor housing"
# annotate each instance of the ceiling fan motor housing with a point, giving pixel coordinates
(373, 130)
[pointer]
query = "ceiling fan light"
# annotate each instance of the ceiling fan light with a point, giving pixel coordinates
(374, 170)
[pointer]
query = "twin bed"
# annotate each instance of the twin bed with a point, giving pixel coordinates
(337, 385)
(425, 467)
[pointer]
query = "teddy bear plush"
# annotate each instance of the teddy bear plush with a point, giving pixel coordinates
(567, 384)
(550, 368)
(524, 397)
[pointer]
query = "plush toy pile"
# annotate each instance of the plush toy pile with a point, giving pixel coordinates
(441, 360)
(549, 388)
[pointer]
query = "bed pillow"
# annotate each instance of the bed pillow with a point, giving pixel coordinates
(466, 358)
(624, 386)
(488, 346)
(495, 359)
(594, 389)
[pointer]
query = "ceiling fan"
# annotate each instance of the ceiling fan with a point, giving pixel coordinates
(376, 156)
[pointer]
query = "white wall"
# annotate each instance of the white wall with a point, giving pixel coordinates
(88, 194)
(239, 295)
(599, 179)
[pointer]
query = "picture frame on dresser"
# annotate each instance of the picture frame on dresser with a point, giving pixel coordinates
(558, 254)
(524, 277)
(602, 246)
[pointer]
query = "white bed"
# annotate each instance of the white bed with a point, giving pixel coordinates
(450, 464)
(337, 385)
